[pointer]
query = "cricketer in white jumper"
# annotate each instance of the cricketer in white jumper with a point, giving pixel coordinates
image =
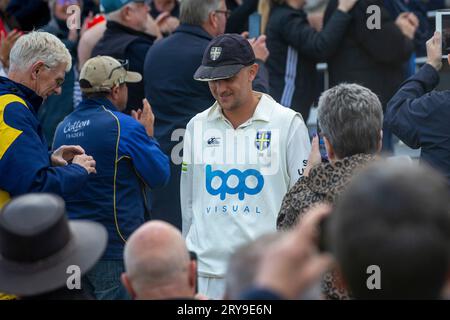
(233, 180)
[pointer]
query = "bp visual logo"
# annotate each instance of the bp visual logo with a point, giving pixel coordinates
(242, 187)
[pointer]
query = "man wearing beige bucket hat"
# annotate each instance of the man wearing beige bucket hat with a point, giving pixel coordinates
(129, 163)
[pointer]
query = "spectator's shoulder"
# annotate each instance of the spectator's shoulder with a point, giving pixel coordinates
(126, 121)
(13, 102)
(280, 111)
(131, 130)
(145, 38)
(140, 45)
(295, 203)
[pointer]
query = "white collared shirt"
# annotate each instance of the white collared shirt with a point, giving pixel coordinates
(233, 180)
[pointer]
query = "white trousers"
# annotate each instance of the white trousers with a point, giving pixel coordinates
(212, 287)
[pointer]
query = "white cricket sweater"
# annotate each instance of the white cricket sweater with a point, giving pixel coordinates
(233, 180)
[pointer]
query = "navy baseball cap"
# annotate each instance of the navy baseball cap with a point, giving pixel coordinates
(224, 57)
(108, 6)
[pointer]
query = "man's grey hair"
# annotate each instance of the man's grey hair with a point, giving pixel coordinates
(244, 263)
(351, 118)
(196, 12)
(39, 46)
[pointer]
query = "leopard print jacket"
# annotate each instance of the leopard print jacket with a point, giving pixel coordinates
(324, 183)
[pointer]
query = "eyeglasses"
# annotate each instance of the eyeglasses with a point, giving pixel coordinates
(59, 81)
(124, 64)
(227, 13)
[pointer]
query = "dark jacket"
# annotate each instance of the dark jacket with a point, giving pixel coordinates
(25, 164)
(128, 163)
(59, 28)
(372, 58)
(169, 84)
(419, 8)
(420, 118)
(238, 20)
(295, 48)
(56, 107)
(29, 14)
(123, 43)
(176, 97)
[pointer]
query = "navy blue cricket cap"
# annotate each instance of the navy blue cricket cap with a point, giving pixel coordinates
(224, 57)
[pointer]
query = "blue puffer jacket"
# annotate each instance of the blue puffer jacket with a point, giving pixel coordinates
(128, 164)
(25, 164)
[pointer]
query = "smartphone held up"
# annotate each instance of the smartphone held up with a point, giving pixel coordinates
(443, 27)
(254, 25)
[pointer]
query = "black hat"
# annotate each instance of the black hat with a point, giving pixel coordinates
(38, 244)
(225, 56)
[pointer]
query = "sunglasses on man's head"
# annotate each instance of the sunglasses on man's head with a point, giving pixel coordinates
(123, 64)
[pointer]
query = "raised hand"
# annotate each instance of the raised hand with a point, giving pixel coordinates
(6, 43)
(260, 48)
(434, 51)
(406, 24)
(145, 116)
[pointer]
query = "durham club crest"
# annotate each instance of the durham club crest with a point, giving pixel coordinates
(215, 52)
(262, 140)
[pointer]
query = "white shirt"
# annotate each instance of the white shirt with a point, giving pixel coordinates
(233, 180)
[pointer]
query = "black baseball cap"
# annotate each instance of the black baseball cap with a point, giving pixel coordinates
(225, 56)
